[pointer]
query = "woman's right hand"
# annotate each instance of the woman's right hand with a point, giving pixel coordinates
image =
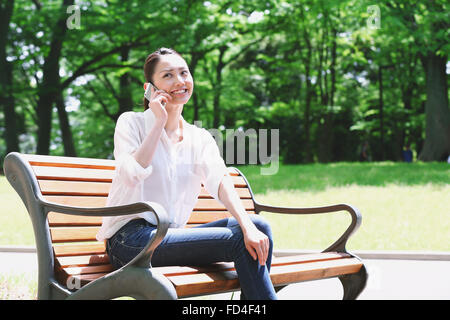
(159, 98)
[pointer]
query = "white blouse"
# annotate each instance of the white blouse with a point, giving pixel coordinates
(172, 180)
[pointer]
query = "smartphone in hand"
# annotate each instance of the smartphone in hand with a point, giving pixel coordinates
(148, 92)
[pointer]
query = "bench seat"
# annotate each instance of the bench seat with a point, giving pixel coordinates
(220, 277)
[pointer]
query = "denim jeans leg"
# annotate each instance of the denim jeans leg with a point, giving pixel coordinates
(259, 222)
(128, 241)
(254, 278)
(215, 242)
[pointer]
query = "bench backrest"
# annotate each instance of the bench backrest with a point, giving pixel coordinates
(85, 182)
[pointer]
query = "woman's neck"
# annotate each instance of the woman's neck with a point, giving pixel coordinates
(174, 119)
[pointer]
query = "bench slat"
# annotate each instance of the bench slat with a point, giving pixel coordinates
(86, 278)
(73, 174)
(83, 188)
(242, 191)
(46, 160)
(90, 269)
(91, 202)
(56, 187)
(78, 201)
(317, 270)
(61, 219)
(205, 283)
(83, 261)
(309, 257)
(200, 217)
(212, 204)
(76, 249)
(73, 234)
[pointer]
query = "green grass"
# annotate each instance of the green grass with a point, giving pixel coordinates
(394, 218)
(404, 206)
(15, 225)
(318, 177)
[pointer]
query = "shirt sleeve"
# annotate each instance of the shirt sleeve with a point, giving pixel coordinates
(126, 142)
(211, 167)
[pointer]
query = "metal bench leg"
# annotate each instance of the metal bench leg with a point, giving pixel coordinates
(354, 283)
(279, 288)
(140, 283)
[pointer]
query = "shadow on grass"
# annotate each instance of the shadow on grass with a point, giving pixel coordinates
(317, 177)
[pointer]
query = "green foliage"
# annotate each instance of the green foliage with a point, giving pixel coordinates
(307, 67)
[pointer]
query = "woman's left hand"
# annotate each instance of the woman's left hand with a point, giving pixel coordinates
(257, 244)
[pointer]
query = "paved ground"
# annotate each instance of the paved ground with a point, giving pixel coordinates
(390, 279)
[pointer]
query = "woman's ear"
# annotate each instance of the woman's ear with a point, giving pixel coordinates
(145, 85)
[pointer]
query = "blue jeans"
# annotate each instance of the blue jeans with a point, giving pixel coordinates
(218, 241)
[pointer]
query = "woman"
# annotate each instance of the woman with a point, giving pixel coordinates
(161, 158)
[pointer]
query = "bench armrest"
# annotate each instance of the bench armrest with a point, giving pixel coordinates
(22, 178)
(143, 259)
(338, 245)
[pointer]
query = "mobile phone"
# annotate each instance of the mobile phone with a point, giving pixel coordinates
(148, 92)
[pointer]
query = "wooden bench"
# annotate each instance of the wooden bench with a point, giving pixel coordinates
(66, 197)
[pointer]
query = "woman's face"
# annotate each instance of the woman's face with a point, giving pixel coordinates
(172, 75)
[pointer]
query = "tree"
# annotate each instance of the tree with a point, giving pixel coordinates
(6, 78)
(307, 67)
(48, 89)
(427, 22)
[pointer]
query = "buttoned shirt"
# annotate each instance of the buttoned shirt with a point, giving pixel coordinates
(173, 178)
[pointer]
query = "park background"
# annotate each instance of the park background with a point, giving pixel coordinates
(335, 77)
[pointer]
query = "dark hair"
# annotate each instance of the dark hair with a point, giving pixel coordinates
(150, 65)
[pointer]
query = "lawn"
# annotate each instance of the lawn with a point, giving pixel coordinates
(404, 206)
(319, 177)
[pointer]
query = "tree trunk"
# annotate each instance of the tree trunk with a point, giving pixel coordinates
(307, 120)
(196, 56)
(333, 65)
(437, 135)
(218, 87)
(6, 80)
(49, 89)
(326, 127)
(381, 115)
(405, 138)
(125, 98)
(7, 102)
(69, 147)
(196, 106)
